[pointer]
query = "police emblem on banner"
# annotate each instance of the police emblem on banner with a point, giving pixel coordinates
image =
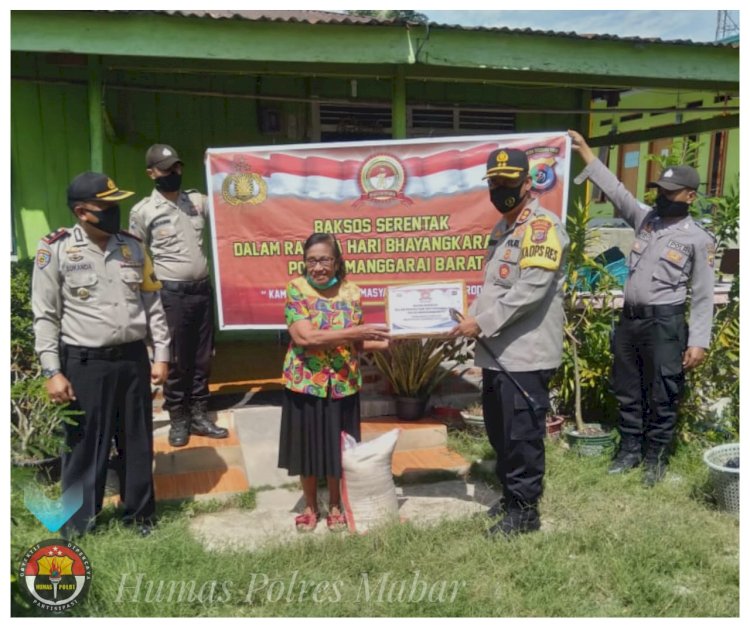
(381, 181)
(54, 575)
(244, 187)
(542, 161)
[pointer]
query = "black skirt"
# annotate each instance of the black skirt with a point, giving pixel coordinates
(310, 439)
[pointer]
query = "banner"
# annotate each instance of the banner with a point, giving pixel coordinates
(402, 211)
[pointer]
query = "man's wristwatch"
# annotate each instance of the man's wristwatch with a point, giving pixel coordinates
(50, 372)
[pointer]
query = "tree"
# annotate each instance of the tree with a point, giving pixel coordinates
(383, 14)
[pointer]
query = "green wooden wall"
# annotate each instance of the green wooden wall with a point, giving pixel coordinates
(192, 111)
(648, 100)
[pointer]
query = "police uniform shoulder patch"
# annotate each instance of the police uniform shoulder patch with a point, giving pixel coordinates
(541, 245)
(43, 258)
(62, 232)
(132, 235)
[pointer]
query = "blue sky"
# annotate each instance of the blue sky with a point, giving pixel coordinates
(693, 25)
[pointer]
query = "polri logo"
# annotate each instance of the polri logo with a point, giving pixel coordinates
(54, 575)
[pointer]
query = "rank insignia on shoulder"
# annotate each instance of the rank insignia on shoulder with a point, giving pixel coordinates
(56, 235)
(524, 216)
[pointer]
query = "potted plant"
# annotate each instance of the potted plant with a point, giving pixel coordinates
(413, 367)
(581, 385)
(473, 414)
(36, 424)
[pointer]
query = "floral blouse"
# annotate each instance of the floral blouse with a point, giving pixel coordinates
(310, 371)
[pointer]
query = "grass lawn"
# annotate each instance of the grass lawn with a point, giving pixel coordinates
(608, 547)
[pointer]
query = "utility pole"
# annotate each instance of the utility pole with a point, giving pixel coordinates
(725, 25)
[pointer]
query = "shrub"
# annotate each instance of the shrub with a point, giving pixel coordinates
(36, 424)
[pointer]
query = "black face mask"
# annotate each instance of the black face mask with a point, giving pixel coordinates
(169, 183)
(506, 199)
(109, 219)
(670, 209)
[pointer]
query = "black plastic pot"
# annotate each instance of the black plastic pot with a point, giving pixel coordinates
(46, 471)
(411, 408)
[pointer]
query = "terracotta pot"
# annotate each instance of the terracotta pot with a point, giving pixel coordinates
(446, 414)
(555, 425)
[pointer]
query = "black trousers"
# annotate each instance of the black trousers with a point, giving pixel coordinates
(190, 318)
(114, 393)
(647, 377)
(516, 435)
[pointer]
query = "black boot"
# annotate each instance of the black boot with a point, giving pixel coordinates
(519, 519)
(497, 509)
(201, 425)
(179, 427)
(655, 464)
(628, 456)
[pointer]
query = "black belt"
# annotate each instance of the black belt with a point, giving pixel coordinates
(111, 353)
(202, 286)
(651, 311)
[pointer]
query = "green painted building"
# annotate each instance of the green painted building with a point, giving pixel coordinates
(93, 89)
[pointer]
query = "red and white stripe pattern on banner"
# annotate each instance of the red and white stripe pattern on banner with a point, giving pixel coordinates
(322, 178)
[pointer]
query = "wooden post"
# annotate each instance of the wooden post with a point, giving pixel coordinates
(398, 105)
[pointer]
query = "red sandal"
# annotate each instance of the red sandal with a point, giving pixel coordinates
(307, 521)
(336, 521)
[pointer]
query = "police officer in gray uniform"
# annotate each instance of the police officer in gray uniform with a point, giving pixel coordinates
(95, 302)
(172, 222)
(519, 315)
(652, 345)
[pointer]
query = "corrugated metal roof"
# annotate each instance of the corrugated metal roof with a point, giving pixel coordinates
(304, 17)
(330, 17)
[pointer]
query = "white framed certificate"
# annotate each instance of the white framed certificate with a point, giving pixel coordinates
(423, 309)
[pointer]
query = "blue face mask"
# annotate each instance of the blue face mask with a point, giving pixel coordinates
(322, 286)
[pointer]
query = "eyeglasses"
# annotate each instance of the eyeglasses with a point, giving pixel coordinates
(325, 262)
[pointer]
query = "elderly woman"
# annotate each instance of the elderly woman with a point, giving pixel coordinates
(322, 376)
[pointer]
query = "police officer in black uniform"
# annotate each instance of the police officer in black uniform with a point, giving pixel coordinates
(172, 222)
(95, 302)
(653, 345)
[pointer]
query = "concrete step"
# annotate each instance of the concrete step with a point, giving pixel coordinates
(216, 468)
(421, 434)
(415, 464)
(204, 468)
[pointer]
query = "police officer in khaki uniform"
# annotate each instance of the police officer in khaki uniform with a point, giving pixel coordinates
(652, 345)
(171, 222)
(95, 301)
(519, 315)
